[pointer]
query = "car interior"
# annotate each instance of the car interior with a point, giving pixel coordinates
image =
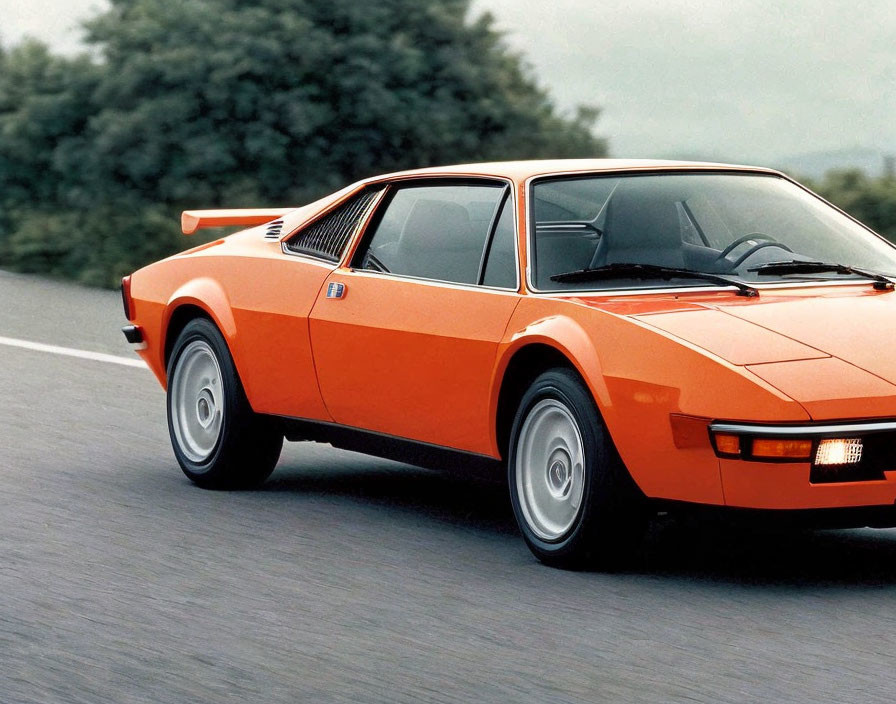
(665, 223)
(439, 233)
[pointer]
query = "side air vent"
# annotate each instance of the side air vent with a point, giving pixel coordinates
(328, 236)
(273, 231)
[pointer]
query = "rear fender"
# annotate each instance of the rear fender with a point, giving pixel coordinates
(209, 296)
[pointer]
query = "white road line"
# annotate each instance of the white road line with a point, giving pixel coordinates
(69, 352)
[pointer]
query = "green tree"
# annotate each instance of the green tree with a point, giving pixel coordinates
(205, 103)
(44, 109)
(870, 200)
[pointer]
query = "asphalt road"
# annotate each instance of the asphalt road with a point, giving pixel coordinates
(350, 579)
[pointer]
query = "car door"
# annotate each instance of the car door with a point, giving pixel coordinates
(405, 339)
(271, 297)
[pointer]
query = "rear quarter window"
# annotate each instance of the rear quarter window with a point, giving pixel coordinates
(328, 236)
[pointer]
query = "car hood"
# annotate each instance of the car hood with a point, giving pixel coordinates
(831, 349)
(857, 331)
(857, 328)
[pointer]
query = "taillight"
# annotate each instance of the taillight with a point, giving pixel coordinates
(126, 298)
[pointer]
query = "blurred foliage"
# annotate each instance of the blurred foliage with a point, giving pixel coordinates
(236, 103)
(872, 200)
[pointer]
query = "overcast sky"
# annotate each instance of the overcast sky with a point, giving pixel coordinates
(749, 80)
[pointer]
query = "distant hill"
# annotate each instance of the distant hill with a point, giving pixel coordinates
(812, 165)
(816, 164)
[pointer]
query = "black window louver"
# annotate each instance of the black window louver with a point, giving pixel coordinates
(328, 236)
(274, 229)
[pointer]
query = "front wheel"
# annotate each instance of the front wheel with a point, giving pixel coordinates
(573, 499)
(219, 442)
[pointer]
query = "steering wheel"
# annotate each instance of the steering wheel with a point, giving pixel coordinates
(755, 248)
(768, 241)
(739, 241)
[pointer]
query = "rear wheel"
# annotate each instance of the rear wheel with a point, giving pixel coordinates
(573, 499)
(219, 442)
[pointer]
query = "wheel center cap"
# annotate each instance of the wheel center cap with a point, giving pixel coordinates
(205, 408)
(559, 477)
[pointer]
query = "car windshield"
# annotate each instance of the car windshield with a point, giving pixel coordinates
(714, 222)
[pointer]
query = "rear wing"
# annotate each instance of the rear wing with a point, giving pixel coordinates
(192, 220)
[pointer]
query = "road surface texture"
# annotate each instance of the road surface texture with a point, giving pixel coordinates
(350, 579)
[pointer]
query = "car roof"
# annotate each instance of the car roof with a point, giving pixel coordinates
(517, 171)
(523, 170)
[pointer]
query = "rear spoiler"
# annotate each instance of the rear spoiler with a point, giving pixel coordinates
(192, 220)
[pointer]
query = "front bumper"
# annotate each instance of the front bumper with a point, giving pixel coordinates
(779, 485)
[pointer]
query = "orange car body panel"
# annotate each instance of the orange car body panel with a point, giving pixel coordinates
(425, 360)
(425, 352)
(260, 301)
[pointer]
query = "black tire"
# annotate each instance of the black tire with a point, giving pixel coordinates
(611, 518)
(246, 445)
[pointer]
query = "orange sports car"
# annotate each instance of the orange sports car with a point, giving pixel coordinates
(622, 336)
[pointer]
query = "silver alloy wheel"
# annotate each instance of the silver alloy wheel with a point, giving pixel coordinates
(196, 400)
(550, 469)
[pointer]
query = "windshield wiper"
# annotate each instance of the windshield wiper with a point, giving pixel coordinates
(881, 282)
(650, 271)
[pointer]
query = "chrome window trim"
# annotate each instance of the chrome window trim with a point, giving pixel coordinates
(832, 430)
(452, 284)
(720, 169)
(310, 258)
(432, 282)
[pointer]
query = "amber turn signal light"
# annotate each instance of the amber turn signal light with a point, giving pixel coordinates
(778, 448)
(727, 444)
(762, 449)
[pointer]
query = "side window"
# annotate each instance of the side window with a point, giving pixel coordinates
(434, 232)
(500, 268)
(328, 236)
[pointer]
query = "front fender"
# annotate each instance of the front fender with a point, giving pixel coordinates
(564, 335)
